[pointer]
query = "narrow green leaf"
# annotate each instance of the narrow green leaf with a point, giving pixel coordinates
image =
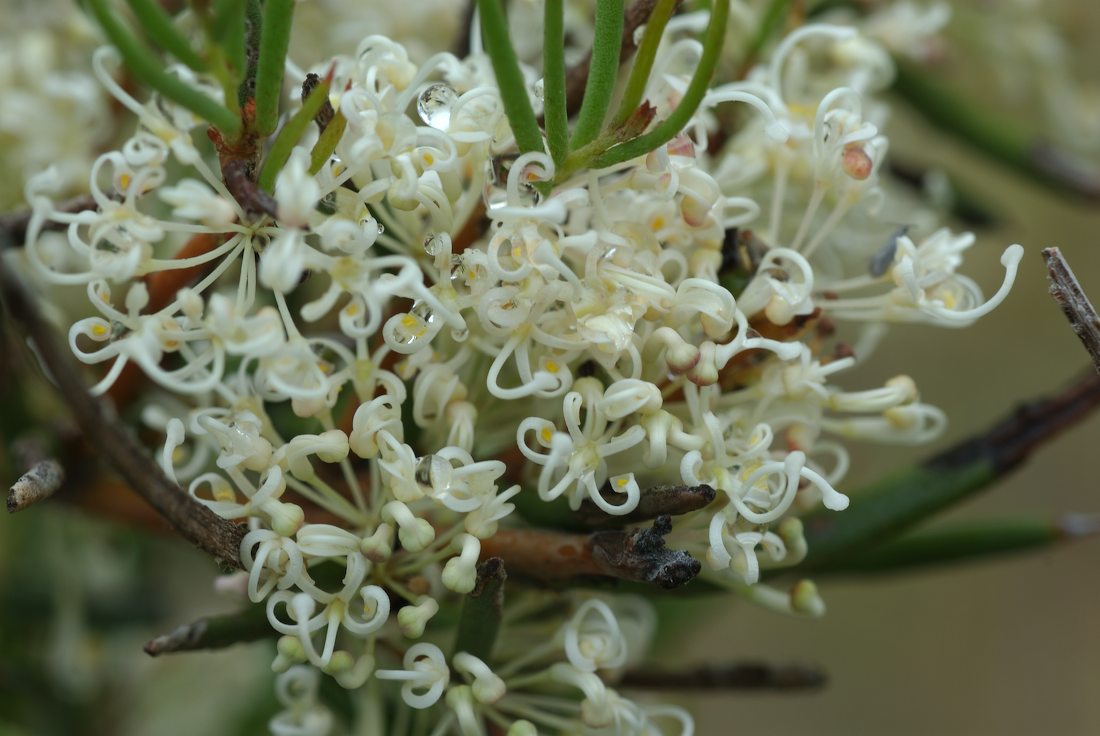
(602, 72)
(774, 16)
(959, 542)
(554, 110)
(278, 16)
(643, 59)
(148, 70)
(153, 19)
(902, 500)
(482, 611)
(993, 133)
(326, 143)
(668, 128)
(290, 134)
(513, 90)
(889, 507)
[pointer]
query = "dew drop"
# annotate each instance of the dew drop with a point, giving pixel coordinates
(433, 244)
(459, 334)
(434, 105)
(423, 311)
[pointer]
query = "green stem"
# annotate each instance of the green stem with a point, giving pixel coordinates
(153, 19)
(555, 113)
(602, 72)
(274, 42)
(513, 90)
(643, 60)
(290, 135)
(668, 128)
(148, 70)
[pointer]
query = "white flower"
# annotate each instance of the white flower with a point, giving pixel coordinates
(425, 675)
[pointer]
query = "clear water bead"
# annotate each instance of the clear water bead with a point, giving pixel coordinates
(434, 105)
(433, 244)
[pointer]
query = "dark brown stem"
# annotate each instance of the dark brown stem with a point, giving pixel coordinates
(214, 632)
(1067, 291)
(1010, 441)
(16, 223)
(654, 502)
(558, 558)
(460, 46)
(192, 520)
(738, 676)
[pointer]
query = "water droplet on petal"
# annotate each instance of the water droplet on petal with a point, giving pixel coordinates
(433, 244)
(459, 334)
(434, 105)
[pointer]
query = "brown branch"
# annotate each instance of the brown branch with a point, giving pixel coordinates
(37, 484)
(576, 76)
(1009, 442)
(556, 558)
(1067, 291)
(16, 223)
(192, 520)
(654, 502)
(214, 632)
(739, 676)
(460, 45)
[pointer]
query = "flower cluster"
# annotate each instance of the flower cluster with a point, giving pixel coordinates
(429, 328)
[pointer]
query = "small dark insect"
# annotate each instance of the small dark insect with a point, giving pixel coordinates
(742, 252)
(881, 261)
(325, 115)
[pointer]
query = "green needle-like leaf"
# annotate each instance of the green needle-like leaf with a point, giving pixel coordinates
(959, 542)
(274, 42)
(326, 143)
(513, 90)
(643, 59)
(555, 114)
(153, 19)
(902, 500)
(149, 71)
(290, 135)
(667, 129)
(602, 72)
(993, 133)
(774, 16)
